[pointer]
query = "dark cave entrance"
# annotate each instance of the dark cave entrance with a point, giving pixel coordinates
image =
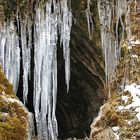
(76, 110)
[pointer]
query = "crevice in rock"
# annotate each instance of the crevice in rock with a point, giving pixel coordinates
(76, 110)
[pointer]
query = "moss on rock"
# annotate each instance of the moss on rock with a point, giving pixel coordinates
(121, 110)
(13, 115)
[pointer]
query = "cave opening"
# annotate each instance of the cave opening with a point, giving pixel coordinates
(76, 109)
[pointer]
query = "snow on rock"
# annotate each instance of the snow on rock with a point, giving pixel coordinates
(129, 47)
(115, 130)
(134, 89)
(121, 108)
(125, 98)
(135, 42)
(134, 56)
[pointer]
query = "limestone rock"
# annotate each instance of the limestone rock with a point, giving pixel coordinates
(14, 117)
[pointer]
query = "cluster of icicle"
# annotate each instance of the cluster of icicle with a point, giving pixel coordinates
(111, 14)
(10, 53)
(10, 50)
(47, 27)
(15, 46)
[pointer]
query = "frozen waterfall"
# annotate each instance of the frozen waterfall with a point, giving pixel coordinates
(51, 20)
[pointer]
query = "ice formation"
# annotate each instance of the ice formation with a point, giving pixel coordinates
(51, 20)
(107, 39)
(10, 53)
(48, 25)
(26, 56)
(65, 28)
(111, 15)
(134, 91)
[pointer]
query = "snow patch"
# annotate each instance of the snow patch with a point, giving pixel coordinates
(134, 56)
(125, 98)
(115, 130)
(135, 42)
(129, 47)
(121, 108)
(134, 90)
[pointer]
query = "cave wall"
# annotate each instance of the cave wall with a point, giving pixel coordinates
(15, 119)
(76, 110)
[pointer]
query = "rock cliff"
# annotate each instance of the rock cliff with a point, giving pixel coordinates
(14, 117)
(119, 117)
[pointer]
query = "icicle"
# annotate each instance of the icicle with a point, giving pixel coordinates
(10, 53)
(107, 38)
(66, 24)
(47, 23)
(89, 19)
(46, 38)
(26, 46)
(110, 40)
(2, 45)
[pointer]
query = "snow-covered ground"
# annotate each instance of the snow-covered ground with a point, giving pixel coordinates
(134, 90)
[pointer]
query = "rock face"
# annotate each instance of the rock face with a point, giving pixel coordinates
(105, 134)
(121, 112)
(14, 117)
(76, 109)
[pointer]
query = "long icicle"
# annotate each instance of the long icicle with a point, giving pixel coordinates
(48, 22)
(10, 53)
(110, 40)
